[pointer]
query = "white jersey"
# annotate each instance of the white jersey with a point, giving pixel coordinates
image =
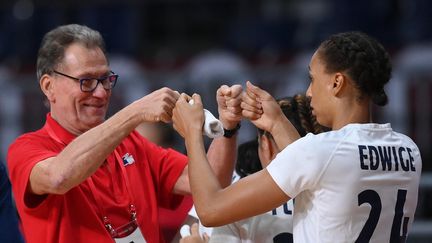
(356, 184)
(192, 212)
(271, 227)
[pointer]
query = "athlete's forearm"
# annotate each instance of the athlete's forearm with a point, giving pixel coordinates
(83, 156)
(284, 133)
(204, 184)
(221, 157)
(216, 206)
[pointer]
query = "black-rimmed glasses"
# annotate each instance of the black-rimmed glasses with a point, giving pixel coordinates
(89, 84)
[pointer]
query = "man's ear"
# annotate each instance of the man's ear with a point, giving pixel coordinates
(338, 83)
(46, 83)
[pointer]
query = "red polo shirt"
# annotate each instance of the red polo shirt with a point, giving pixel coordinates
(75, 216)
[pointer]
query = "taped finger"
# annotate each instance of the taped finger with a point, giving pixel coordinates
(185, 231)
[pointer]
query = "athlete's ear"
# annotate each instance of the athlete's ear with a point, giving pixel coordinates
(338, 83)
(46, 84)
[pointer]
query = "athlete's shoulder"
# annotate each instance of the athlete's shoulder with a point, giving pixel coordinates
(327, 142)
(405, 138)
(313, 146)
(324, 138)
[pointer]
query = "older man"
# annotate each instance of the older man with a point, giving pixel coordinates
(82, 178)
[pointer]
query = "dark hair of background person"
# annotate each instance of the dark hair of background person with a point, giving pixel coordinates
(364, 60)
(54, 43)
(297, 110)
(248, 161)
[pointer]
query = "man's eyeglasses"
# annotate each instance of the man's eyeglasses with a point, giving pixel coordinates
(89, 84)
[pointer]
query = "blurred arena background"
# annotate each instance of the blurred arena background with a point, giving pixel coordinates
(197, 45)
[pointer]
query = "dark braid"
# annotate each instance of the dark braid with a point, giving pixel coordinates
(307, 120)
(297, 110)
(363, 59)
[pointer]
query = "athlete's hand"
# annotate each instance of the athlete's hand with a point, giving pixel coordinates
(188, 118)
(158, 105)
(194, 236)
(261, 108)
(229, 101)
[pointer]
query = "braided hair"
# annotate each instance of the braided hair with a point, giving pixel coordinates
(363, 59)
(297, 109)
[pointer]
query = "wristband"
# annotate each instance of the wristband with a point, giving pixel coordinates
(231, 132)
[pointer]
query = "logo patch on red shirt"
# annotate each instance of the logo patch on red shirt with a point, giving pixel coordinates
(128, 159)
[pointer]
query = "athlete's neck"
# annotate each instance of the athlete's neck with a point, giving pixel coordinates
(349, 113)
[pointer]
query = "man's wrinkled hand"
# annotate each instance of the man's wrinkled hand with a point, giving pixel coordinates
(158, 105)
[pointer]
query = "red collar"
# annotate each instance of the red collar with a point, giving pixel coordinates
(52, 126)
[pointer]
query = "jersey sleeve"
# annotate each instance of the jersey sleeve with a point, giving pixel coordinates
(300, 165)
(225, 233)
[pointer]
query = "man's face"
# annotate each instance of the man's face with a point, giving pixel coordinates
(75, 110)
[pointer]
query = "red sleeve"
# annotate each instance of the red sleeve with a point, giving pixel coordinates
(23, 154)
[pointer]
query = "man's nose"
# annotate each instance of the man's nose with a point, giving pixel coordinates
(100, 91)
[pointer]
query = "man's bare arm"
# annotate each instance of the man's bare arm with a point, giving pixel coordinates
(83, 156)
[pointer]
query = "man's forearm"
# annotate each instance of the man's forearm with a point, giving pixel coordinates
(83, 156)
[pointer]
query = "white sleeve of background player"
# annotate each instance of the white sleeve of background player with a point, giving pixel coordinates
(226, 233)
(300, 165)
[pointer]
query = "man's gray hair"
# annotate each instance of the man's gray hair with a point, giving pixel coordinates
(54, 43)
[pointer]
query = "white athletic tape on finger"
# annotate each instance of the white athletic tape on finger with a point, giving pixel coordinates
(213, 128)
(185, 231)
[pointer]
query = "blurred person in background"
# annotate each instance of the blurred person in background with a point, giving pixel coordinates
(9, 224)
(83, 177)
